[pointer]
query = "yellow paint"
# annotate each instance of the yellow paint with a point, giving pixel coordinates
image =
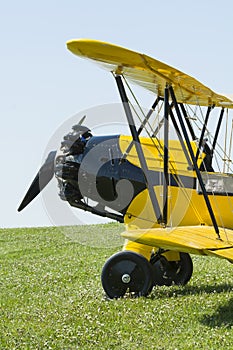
(147, 250)
(153, 152)
(185, 208)
(172, 255)
(135, 247)
(147, 72)
(187, 211)
(200, 240)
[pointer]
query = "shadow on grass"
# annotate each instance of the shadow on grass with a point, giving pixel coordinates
(220, 317)
(165, 292)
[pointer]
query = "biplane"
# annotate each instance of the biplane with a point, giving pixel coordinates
(169, 180)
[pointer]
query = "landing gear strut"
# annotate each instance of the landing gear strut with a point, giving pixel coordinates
(167, 273)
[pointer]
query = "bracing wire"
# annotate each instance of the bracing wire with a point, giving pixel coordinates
(230, 148)
(173, 170)
(226, 158)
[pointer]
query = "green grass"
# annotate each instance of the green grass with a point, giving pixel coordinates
(51, 297)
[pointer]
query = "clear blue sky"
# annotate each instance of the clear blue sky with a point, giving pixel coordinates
(42, 84)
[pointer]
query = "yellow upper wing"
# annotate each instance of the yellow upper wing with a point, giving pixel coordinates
(191, 239)
(147, 72)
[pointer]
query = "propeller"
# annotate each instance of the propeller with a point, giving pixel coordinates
(45, 174)
(42, 178)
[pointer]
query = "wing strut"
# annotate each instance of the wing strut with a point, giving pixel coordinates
(193, 158)
(147, 117)
(203, 131)
(138, 147)
(190, 166)
(188, 122)
(165, 154)
(217, 131)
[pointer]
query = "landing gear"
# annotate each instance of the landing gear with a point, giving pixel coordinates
(131, 272)
(127, 272)
(167, 273)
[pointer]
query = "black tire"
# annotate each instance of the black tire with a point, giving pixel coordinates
(126, 271)
(167, 273)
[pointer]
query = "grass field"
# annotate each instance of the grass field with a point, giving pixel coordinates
(51, 297)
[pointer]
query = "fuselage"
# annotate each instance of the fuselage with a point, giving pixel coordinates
(108, 172)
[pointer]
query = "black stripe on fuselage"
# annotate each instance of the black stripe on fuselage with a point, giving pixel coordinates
(109, 155)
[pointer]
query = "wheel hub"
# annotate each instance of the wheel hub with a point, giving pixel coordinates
(126, 278)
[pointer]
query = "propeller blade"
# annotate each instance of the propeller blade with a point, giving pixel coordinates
(81, 120)
(44, 175)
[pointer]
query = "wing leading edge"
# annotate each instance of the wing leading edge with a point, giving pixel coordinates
(147, 72)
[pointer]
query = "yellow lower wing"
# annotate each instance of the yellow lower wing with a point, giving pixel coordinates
(201, 240)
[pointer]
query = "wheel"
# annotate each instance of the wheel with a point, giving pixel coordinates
(126, 271)
(166, 273)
